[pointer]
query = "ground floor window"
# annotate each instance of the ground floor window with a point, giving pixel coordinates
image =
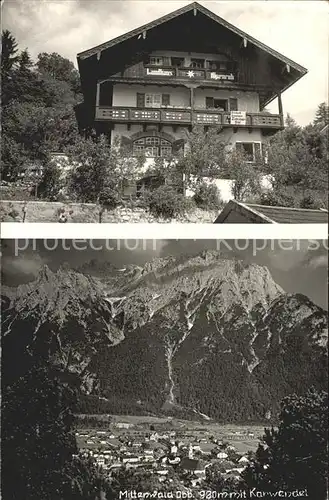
(251, 150)
(152, 147)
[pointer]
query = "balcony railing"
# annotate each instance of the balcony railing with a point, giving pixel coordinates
(189, 117)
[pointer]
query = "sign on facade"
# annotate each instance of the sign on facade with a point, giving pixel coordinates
(238, 118)
(219, 76)
(159, 72)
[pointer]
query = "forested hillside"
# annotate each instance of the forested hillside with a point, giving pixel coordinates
(200, 335)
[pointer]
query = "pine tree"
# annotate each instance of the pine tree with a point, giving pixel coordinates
(294, 456)
(9, 57)
(322, 115)
(292, 131)
(25, 61)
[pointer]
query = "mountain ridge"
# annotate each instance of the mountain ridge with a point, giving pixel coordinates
(190, 334)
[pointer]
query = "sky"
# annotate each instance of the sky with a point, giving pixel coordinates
(298, 266)
(298, 29)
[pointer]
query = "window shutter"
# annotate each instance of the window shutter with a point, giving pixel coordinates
(165, 101)
(257, 151)
(166, 61)
(209, 102)
(233, 104)
(140, 100)
(239, 148)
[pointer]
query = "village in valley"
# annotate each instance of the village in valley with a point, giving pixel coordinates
(169, 449)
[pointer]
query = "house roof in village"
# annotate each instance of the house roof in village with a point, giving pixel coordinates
(260, 214)
(138, 34)
(192, 464)
(206, 447)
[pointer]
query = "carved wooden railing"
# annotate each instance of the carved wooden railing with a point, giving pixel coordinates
(187, 116)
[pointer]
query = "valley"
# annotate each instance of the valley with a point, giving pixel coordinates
(170, 449)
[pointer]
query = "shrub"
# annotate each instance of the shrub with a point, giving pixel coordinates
(309, 201)
(13, 214)
(274, 199)
(166, 202)
(51, 184)
(109, 198)
(288, 196)
(207, 196)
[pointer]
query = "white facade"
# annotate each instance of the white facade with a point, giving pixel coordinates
(126, 96)
(143, 134)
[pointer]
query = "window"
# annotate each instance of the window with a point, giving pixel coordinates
(152, 146)
(157, 61)
(216, 65)
(251, 150)
(220, 104)
(151, 151)
(197, 63)
(138, 150)
(152, 141)
(177, 61)
(166, 151)
(152, 100)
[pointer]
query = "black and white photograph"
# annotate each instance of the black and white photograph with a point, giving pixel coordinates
(189, 363)
(151, 111)
(192, 369)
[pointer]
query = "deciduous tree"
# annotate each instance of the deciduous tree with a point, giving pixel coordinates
(204, 156)
(245, 176)
(99, 170)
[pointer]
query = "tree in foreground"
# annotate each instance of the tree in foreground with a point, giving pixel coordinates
(204, 156)
(297, 164)
(100, 170)
(39, 454)
(295, 455)
(245, 176)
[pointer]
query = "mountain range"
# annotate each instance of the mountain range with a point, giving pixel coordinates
(199, 336)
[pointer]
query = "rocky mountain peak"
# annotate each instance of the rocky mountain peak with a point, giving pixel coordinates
(194, 332)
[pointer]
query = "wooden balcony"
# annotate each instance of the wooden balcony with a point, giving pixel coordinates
(186, 116)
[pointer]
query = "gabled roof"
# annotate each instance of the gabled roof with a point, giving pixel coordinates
(237, 212)
(197, 8)
(109, 58)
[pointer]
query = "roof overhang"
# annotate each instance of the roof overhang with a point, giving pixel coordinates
(292, 71)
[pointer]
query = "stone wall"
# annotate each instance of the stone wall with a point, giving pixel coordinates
(42, 211)
(16, 191)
